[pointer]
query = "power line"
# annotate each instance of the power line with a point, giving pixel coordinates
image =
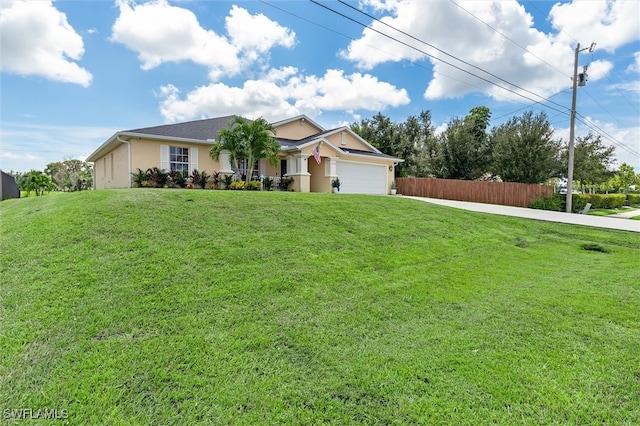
(531, 105)
(619, 92)
(512, 41)
(590, 124)
(373, 47)
(438, 59)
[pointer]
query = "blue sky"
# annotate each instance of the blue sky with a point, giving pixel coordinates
(75, 72)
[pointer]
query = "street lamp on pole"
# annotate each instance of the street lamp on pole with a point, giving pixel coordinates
(581, 82)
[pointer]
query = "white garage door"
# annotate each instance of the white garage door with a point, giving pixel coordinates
(360, 178)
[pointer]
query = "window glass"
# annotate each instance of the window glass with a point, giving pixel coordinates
(179, 159)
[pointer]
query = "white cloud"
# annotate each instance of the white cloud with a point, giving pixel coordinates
(625, 140)
(160, 32)
(635, 66)
(281, 93)
(497, 36)
(256, 33)
(37, 39)
(610, 23)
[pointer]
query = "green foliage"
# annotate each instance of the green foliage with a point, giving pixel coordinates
(204, 178)
(633, 199)
(227, 180)
(555, 203)
(464, 149)
(285, 183)
(194, 177)
(524, 150)
(579, 201)
(267, 183)
(407, 140)
(624, 178)
(592, 160)
(139, 177)
(71, 175)
(247, 140)
(237, 185)
(607, 201)
(35, 181)
(215, 180)
(158, 178)
(253, 185)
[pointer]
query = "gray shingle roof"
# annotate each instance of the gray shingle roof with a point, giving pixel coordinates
(199, 129)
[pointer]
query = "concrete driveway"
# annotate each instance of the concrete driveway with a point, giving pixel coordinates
(618, 222)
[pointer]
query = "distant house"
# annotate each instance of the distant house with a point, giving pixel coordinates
(9, 187)
(360, 166)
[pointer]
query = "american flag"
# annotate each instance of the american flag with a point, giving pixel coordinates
(316, 153)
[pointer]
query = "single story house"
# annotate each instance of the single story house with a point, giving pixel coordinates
(361, 167)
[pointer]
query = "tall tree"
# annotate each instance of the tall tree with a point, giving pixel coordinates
(71, 174)
(463, 149)
(592, 161)
(524, 149)
(419, 134)
(247, 140)
(36, 181)
(624, 178)
(397, 140)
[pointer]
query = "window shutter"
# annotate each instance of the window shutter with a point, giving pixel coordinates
(164, 157)
(193, 158)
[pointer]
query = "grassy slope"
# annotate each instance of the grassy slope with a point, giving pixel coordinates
(184, 307)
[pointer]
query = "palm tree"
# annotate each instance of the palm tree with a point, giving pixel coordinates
(247, 140)
(230, 140)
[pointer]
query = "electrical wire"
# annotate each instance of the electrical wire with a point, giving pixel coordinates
(508, 38)
(368, 45)
(439, 50)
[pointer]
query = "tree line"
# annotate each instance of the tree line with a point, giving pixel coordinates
(523, 149)
(68, 175)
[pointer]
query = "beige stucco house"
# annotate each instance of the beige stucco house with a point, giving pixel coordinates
(360, 166)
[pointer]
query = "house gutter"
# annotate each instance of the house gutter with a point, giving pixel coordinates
(128, 158)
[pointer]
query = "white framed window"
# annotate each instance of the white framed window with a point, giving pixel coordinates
(179, 159)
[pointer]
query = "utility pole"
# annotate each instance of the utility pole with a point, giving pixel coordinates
(583, 80)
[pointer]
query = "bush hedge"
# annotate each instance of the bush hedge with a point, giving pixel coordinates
(553, 203)
(633, 199)
(608, 201)
(579, 201)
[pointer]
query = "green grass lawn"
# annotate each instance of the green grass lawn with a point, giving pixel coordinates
(608, 212)
(221, 307)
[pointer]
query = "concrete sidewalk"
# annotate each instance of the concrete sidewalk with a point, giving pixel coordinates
(618, 223)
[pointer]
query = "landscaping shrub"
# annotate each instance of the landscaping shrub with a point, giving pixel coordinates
(215, 180)
(633, 199)
(204, 178)
(237, 185)
(579, 201)
(179, 179)
(140, 178)
(608, 201)
(158, 178)
(285, 183)
(227, 180)
(254, 185)
(553, 203)
(267, 183)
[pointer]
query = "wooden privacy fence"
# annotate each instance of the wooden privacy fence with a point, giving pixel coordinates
(503, 193)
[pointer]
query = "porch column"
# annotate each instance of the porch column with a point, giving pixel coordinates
(301, 177)
(225, 163)
(330, 172)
